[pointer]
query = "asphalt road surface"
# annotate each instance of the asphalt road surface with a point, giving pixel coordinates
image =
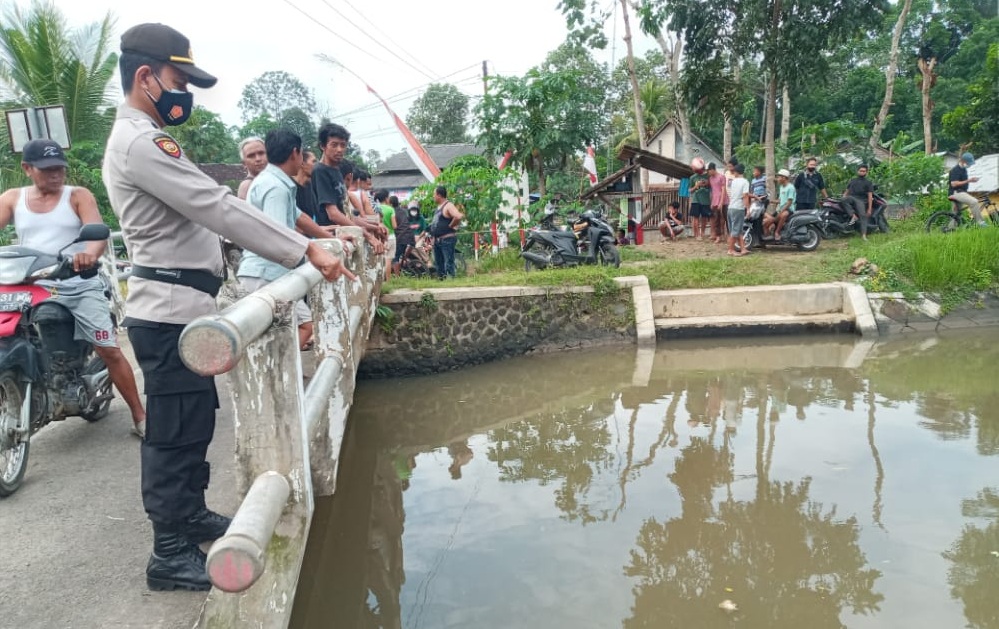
(74, 539)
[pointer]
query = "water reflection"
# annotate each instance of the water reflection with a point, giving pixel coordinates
(595, 489)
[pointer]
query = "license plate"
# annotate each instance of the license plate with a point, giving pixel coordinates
(14, 302)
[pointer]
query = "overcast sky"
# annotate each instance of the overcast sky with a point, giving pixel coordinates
(439, 40)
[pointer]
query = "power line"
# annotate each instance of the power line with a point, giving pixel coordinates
(405, 94)
(376, 40)
(409, 54)
(331, 31)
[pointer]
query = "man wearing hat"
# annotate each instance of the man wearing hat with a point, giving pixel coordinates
(786, 201)
(171, 216)
(958, 186)
(47, 216)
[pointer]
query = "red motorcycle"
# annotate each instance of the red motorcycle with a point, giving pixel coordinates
(45, 375)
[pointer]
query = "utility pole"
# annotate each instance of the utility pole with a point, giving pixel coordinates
(485, 77)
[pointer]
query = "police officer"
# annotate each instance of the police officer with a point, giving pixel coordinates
(171, 216)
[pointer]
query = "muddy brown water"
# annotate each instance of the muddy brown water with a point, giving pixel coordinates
(818, 482)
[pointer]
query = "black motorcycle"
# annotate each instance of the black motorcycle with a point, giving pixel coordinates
(803, 229)
(45, 374)
(589, 241)
(837, 217)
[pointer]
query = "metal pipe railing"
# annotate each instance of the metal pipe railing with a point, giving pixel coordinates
(239, 558)
(211, 345)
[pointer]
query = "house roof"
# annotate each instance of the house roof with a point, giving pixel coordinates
(656, 163)
(224, 173)
(442, 154)
(610, 180)
(398, 181)
(692, 134)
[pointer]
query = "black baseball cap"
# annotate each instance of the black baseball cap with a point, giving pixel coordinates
(163, 43)
(43, 154)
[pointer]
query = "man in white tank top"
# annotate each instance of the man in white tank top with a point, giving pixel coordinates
(47, 216)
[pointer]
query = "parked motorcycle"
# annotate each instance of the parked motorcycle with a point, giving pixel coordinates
(589, 241)
(837, 213)
(803, 229)
(45, 375)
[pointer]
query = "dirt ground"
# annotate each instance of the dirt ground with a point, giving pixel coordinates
(687, 247)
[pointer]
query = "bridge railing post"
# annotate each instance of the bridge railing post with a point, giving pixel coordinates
(267, 395)
(342, 319)
(278, 424)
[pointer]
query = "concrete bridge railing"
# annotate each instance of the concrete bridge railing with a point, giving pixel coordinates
(288, 436)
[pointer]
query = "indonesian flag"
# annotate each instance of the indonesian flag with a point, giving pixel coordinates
(505, 160)
(416, 151)
(590, 165)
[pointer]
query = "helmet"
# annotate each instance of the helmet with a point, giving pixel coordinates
(697, 164)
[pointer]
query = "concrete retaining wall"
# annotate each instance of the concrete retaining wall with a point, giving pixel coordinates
(762, 310)
(449, 328)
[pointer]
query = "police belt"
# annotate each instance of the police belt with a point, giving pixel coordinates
(194, 278)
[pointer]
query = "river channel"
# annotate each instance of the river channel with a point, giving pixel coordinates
(816, 482)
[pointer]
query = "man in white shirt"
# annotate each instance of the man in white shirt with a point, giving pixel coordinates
(738, 208)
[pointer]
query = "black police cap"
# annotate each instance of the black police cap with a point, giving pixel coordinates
(160, 42)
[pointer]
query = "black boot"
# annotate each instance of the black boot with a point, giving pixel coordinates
(206, 526)
(176, 563)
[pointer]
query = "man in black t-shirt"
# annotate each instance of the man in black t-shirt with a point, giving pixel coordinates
(807, 186)
(958, 181)
(860, 198)
(305, 196)
(331, 193)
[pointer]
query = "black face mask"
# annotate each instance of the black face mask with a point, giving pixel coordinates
(811, 169)
(174, 106)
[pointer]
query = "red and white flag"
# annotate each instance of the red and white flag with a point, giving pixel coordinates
(416, 151)
(505, 160)
(590, 165)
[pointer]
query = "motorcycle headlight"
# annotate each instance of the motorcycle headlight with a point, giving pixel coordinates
(14, 270)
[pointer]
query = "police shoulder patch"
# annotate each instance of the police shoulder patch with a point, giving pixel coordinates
(168, 145)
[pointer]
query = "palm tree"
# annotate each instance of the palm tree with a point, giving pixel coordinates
(45, 62)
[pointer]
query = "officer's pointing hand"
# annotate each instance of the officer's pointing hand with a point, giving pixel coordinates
(329, 265)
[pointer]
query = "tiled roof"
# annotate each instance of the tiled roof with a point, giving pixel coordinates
(442, 154)
(224, 173)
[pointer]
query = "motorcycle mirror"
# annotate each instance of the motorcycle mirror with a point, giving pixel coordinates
(92, 232)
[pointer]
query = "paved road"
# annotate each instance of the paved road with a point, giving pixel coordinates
(74, 539)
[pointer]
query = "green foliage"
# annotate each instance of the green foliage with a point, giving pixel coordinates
(474, 185)
(385, 317)
(543, 116)
(205, 138)
(258, 126)
(906, 178)
(45, 62)
(273, 93)
(440, 115)
(502, 261)
(296, 119)
(977, 123)
(85, 170)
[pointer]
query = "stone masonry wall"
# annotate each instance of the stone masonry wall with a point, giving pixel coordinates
(446, 329)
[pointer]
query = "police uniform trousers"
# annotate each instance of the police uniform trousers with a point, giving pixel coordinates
(180, 423)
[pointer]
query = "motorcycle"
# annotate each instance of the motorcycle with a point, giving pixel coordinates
(803, 229)
(45, 375)
(837, 213)
(589, 241)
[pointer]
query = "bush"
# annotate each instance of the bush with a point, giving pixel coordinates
(944, 263)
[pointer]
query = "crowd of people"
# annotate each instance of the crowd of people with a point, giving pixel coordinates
(720, 202)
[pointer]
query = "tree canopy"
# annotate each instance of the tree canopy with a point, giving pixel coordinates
(273, 93)
(439, 115)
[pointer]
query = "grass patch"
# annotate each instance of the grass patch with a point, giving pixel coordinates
(953, 266)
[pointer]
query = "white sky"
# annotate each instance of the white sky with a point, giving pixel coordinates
(238, 41)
